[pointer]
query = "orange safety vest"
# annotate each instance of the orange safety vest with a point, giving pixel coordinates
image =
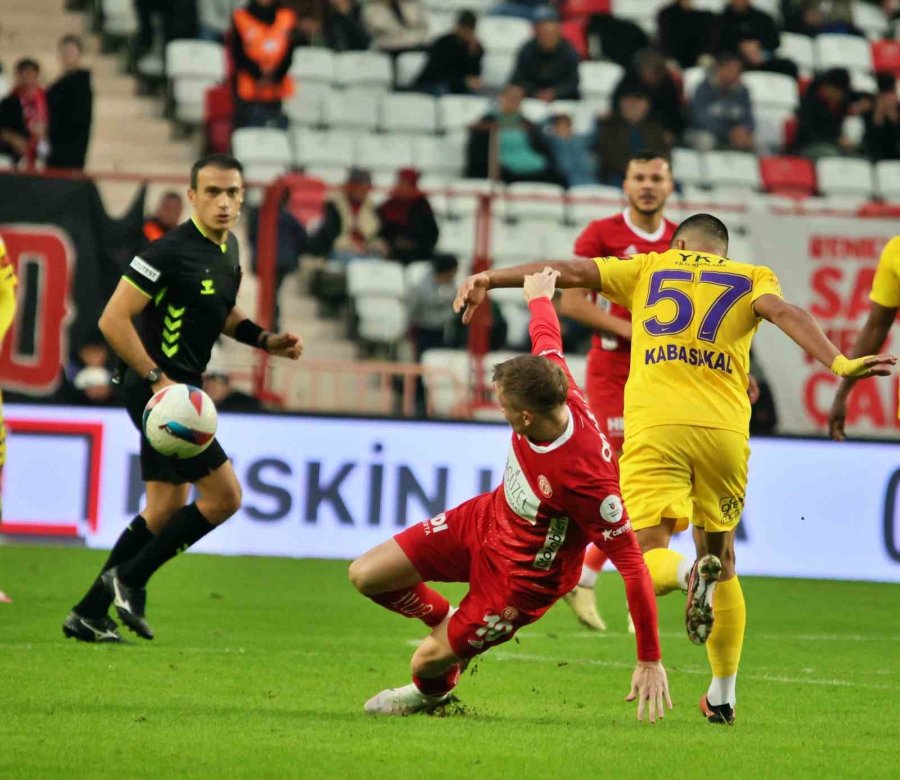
(267, 46)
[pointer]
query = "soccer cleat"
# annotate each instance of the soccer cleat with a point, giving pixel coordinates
(407, 700)
(88, 629)
(722, 714)
(129, 601)
(584, 605)
(698, 611)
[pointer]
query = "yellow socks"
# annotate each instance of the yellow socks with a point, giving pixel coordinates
(726, 640)
(668, 570)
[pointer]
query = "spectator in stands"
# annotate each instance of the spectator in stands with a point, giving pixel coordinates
(520, 9)
(23, 115)
(397, 25)
(167, 216)
(263, 37)
(70, 105)
(721, 114)
(217, 385)
(292, 242)
(684, 32)
(408, 226)
(351, 227)
(814, 17)
(571, 151)
(88, 380)
(547, 65)
(505, 145)
(648, 74)
(173, 18)
(739, 21)
(882, 137)
(820, 117)
(628, 129)
(454, 61)
(430, 304)
(342, 26)
(214, 18)
(615, 39)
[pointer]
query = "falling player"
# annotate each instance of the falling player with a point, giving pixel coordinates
(640, 228)
(520, 546)
(687, 413)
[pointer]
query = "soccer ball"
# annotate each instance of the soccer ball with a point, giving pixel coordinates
(180, 421)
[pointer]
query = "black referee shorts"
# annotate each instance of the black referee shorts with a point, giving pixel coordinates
(154, 466)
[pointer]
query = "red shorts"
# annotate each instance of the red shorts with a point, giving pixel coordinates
(449, 548)
(605, 388)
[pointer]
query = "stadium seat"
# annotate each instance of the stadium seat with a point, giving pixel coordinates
(357, 107)
(844, 176)
(415, 272)
(887, 177)
(408, 112)
(640, 12)
(193, 67)
(190, 96)
(313, 63)
(870, 19)
(593, 201)
(6, 162)
(323, 147)
(459, 239)
(307, 105)
(514, 244)
(463, 195)
(330, 174)
(772, 89)
(119, 18)
(503, 34)
(529, 201)
(447, 379)
(784, 175)
(355, 68)
(457, 112)
(409, 66)
(261, 145)
(886, 57)
(384, 152)
(439, 155)
(834, 50)
(692, 78)
(732, 170)
(771, 127)
(381, 320)
(559, 243)
(497, 69)
(799, 49)
(687, 166)
(375, 278)
(599, 79)
(535, 110)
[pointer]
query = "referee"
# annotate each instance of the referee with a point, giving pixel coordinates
(184, 287)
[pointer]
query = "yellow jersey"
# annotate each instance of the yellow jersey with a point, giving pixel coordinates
(693, 320)
(886, 285)
(7, 291)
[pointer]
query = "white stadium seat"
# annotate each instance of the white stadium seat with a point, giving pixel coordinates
(375, 277)
(119, 18)
(528, 201)
(408, 112)
(384, 152)
(409, 66)
(381, 320)
(514, 244)
(599, 78)
(772, 89)
(693, 78)
(457, 237)
(261, 144)
(535, 110)
(834, 50)
(307, 105)
(201, 59)
(438, 155)
(330, 174)
(798, 48)
(497, 69)
(844, 176)
(870, 19)
(312, 63)
(457, 112)
(732, 170)
(887, 175)
(640, 12)
(463, 195)
(353, 68)
(190, 99)
(503, 34)
(323, 147)
(358, 107)
(687, 166)
(447, 379)
(770, 122)
(593, 201)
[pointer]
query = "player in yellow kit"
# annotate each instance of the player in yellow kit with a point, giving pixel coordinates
(694, 314)
(7, 312)
(885, 297)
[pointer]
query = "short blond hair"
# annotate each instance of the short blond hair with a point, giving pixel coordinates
(532, 382)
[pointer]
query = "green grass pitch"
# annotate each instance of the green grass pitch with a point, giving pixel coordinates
(261, 666)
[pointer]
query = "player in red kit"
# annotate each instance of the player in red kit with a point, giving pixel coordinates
(520, 546)
(640, 228)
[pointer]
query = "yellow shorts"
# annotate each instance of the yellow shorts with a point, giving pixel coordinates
(695, 475)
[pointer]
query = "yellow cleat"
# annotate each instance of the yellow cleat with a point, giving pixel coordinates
(584, 605)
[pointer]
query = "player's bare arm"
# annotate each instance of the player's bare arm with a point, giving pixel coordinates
(576, 305)
(869, 340)
(803, 329)
(286, 345)
(117, 326)
(572, 273)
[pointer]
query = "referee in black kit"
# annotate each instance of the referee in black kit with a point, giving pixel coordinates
(184, 287)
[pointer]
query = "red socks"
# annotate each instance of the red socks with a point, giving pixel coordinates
(594, 558)
(438, 686)
(419, 601)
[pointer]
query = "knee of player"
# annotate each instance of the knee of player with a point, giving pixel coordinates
(358, 575)
(226, 503)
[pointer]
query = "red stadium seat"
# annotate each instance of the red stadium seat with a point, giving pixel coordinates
(307, 199)
(575, 32)
(792, 176)
(886, 57)
(790, 131)
(218, 114)
(574, 9)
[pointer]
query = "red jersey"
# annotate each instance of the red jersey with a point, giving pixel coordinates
(618, 237)
(557, 497)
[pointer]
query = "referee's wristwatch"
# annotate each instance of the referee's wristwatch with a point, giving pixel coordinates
(153, 375)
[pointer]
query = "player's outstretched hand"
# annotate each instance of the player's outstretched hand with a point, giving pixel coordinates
(650, 686)
(470, 294)
(284, 345)
(540, 285)
(860, 368)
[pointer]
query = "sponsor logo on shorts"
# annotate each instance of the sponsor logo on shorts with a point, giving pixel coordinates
(145, 269)
(556, 537)
(731, 508)
(611, 509)
(612, 533)
(509, 613)
(544, 485)
(494, 629)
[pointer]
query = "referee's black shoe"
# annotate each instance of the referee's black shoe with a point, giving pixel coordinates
(129, 601)
(91, 629)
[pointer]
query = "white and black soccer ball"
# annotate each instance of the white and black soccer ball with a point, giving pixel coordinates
(180, 421)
